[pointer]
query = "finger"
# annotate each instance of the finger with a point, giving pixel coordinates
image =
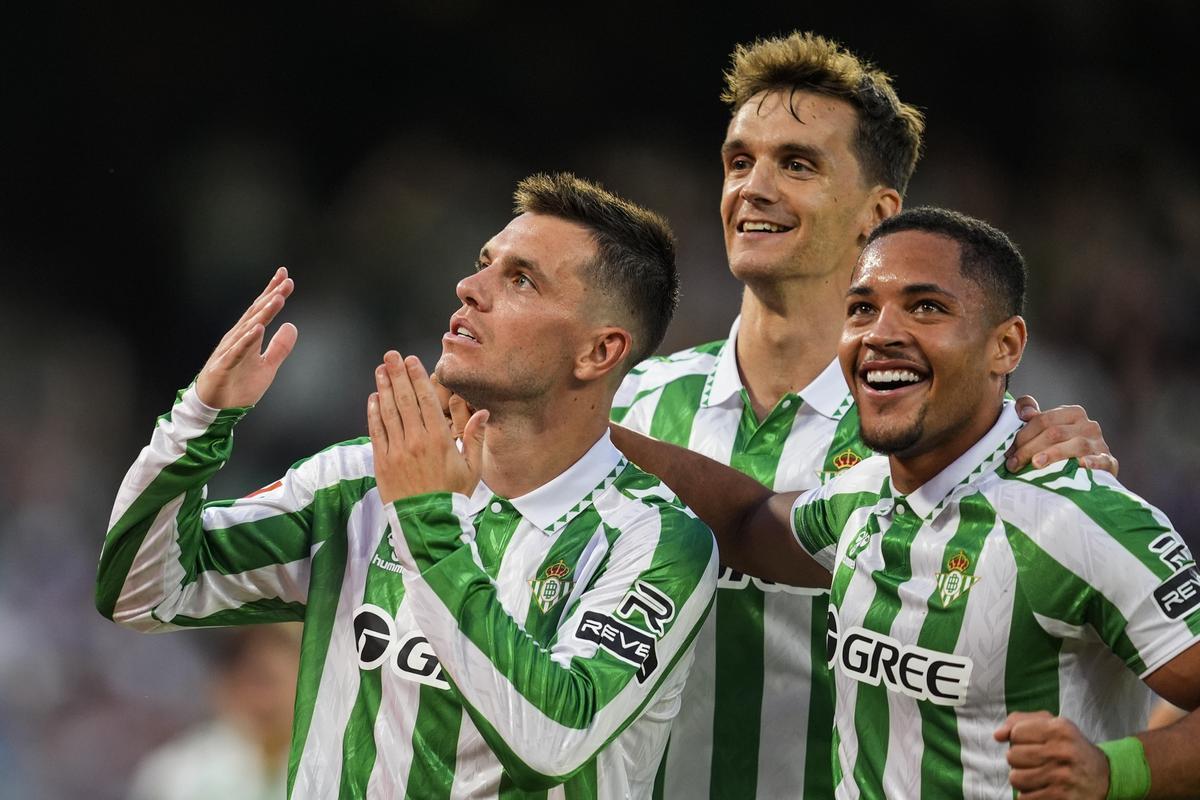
(427, 400)
(1028, 756)
(1105, 462)
(376, 429)
(274, 302)
(460, 413)
(474, 433)
(249, 343)
(261, 312)
(256, 305)
(388, 413)
(1050, 438)
(1032, 730)
(1004, 732)
(1027, 407)
(1029, 780)
(1045, 792)
(1033, 440)
(443, 394)
(404, 396)
(277, 279)
(281, 345)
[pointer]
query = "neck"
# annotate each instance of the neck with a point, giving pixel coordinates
(915, 467)
(527, 447)
(787, 336)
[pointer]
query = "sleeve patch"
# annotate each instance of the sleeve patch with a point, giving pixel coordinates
(630, 644)
(654, 607)
(1179, 595)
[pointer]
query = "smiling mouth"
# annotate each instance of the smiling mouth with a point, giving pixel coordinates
(889, 380)
(761, 227)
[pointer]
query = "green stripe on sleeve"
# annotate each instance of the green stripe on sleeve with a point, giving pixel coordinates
(1064, 596)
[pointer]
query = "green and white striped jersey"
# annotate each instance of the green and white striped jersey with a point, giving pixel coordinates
(453, 647)
(757, 715)
(982, 593)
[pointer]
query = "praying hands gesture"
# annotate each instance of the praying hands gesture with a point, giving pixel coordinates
(412, 443)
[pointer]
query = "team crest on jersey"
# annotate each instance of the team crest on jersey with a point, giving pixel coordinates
(551, 587)
(955, 582)
(845, 460)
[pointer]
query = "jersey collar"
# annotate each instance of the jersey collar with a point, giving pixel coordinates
(552, 505)
(981, 458)
(827, 393)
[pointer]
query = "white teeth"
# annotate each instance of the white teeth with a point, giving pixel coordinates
(892, 376)
(770, 227)
(460, 331)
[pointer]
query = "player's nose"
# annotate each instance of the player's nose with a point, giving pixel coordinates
(473, 290)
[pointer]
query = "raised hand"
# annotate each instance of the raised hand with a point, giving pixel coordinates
(238, 372)
(413, 446)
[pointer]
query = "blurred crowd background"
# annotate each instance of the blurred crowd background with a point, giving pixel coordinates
(159, 161)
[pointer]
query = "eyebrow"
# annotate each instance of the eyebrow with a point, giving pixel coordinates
(785, 148)
(519, 262)
(860, 290)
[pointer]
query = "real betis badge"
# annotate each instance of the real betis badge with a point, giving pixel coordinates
(955, 581)
(551, 588)
(845, 460)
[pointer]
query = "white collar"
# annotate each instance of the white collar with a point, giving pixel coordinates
(981, 457)
(552, 505)
(827, 393)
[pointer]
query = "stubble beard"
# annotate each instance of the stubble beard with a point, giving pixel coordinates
(894, 440)
(482, 391)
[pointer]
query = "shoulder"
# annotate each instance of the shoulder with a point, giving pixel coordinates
(1087, 522)
(641, 505)
(863, 481)
(658, 371)
(1067, 490)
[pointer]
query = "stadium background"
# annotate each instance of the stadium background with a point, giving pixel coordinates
(160, 161)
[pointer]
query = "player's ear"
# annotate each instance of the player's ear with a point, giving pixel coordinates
(1009, 338)
(884, 202)
(609, 346)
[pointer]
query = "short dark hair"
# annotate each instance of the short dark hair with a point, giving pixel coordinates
(888, 140)
(986, 255)
(635, 250)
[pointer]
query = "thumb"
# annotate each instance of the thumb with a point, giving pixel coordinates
(1004, 732)
(1027, 407)
(281, 345)
(473, 434)
(459, 413)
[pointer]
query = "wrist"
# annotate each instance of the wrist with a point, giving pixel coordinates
(431, 526)
(1128, 772)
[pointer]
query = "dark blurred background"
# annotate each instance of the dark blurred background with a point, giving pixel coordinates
(159, 161)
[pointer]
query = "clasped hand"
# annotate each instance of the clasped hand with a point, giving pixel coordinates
(411, 439)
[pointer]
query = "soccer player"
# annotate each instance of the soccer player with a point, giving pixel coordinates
(819, 150)
(462, 638)
(977, 614)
